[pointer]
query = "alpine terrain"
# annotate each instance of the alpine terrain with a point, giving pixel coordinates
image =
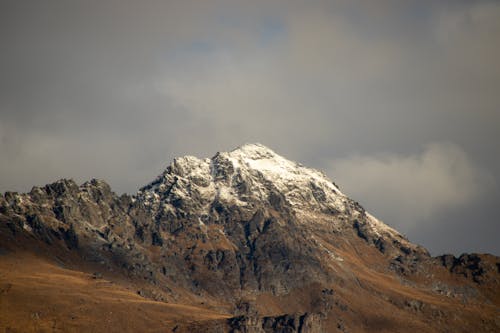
(246, 241)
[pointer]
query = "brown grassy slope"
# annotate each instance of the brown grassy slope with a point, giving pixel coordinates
(369, 297)
(38, 296)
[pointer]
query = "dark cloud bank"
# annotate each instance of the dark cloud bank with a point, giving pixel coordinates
(397, 101)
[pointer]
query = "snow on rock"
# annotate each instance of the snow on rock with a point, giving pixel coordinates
(302, 187)
(248, 174)
(379, 226)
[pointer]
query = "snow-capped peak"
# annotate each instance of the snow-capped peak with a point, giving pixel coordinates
(275, 167)
(247, 176)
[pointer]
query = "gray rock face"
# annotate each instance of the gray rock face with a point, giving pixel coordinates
(478, 268)
(305, 323)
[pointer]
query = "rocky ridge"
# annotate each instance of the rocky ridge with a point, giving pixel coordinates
(250, 233)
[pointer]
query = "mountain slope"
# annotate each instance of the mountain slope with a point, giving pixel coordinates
(250, 235)
(39, 296)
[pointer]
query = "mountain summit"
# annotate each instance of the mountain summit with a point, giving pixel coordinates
(246, 241)
(251, 176)
(249, 173)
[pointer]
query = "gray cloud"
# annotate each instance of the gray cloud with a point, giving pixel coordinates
(411, 192)
(116, 89)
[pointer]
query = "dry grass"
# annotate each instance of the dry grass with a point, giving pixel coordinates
(38, 296)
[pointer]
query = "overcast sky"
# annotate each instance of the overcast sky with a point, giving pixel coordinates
(397, 101)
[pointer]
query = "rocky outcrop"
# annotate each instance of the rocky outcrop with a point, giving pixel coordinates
(300, 323)
(480, 268)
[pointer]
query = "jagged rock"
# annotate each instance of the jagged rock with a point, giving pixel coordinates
(305, 323)
(478, 268)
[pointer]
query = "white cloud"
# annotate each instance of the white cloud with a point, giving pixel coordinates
(405, 190)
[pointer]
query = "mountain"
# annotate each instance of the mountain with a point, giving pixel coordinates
(246, 241)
